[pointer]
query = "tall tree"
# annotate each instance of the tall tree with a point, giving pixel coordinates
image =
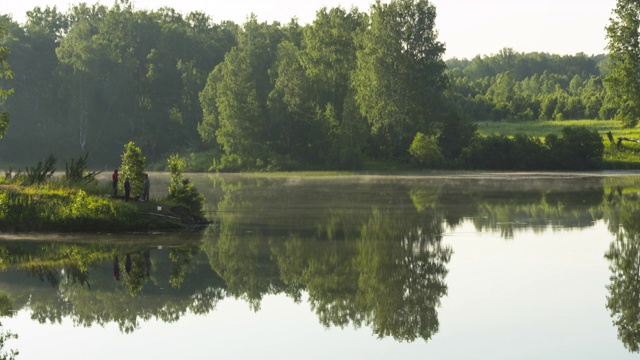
(291, 106)
(329, 57)
(239, 89)
(5, 73)
(399, 80)
(35, 112)
(623, 80)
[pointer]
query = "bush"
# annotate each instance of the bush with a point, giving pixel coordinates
(181, 191)
(133, 167)
(75, 171)
(529, 153)
(426, 151)
(41, 172)
(490, 153)
(577, 149)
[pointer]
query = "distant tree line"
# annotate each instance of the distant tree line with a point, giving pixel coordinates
(349, 88)
(533, 86)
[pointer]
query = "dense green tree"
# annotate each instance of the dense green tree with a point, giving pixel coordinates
(236, 93)
(593, 97)
(623, 81)
(313, 96)
(329, 59)
(133, 167)
(292, 108)
(399, 79)
(242, 121)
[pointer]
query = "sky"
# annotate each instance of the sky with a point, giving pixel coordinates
(467, 27)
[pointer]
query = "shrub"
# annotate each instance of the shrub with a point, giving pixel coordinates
(181, 191)
(75, 171)
(529, 153)
(41, 172)
(499, 152)
(490, 153)
(578, 148)
(426, 151)
(133, 167)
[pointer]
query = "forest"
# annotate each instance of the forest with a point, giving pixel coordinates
(348, 90)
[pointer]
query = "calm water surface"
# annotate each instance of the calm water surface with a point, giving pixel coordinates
(492, 266)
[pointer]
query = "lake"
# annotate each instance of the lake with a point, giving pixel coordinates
(446, 266)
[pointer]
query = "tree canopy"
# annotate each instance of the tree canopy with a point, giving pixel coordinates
(350, 88)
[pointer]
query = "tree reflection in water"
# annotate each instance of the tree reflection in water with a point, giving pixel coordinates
(6, 310)
(364, 254)
(623, 301)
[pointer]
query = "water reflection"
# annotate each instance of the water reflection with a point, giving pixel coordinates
(623, 301)
(6, 310)
(365, 252)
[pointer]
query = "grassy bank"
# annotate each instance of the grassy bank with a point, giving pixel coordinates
(626, 156)
(55, 207)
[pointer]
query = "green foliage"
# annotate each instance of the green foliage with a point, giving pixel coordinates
(103, 75)
(349, 89)
(577, 148)
(6, 73)
(133, 167)
(499, 152)
(10, 176)
(426, 151)
(455, 134)
(60, 209)
(522, 87)
(624, 263)
(42, 172)
(181, 191)
(624, 63)
(75, 171)
(228, 163)
(399, 79)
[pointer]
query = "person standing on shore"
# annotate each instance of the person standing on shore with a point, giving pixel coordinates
(147, 187)
(114, 179)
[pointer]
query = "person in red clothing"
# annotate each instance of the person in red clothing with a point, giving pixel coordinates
(114, 178)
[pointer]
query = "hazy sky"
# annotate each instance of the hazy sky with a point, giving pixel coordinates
(467, 27)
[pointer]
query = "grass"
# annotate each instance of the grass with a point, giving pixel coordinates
(58, 207)
(543, 128)
(626, 156)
